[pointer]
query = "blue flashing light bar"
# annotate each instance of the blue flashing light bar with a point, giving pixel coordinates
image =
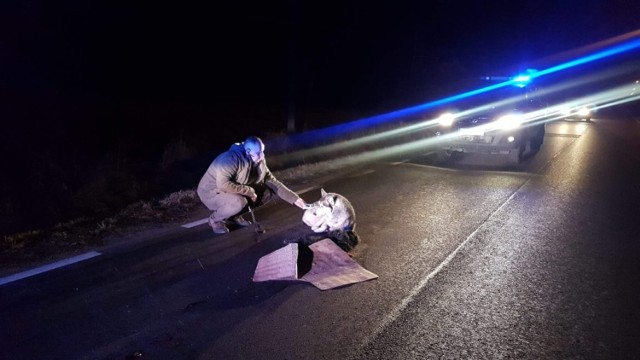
(522, 80)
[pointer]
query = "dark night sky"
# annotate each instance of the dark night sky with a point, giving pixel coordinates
(346, 54)
(84, 84)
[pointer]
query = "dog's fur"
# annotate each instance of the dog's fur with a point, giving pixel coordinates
(346, 240)
(332, 212)
(331, 217)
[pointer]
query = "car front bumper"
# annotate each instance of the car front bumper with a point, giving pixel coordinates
(490, 143)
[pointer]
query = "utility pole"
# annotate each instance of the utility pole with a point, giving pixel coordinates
(292, 64)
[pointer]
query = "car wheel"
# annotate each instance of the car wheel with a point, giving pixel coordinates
(536, 140)
(536, 143)
(516, 155)
(444, 156)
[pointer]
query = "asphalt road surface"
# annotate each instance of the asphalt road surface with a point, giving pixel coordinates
(538, 261)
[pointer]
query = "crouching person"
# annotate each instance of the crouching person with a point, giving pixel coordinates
(239, 178)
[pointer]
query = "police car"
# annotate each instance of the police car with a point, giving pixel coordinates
(507, 121)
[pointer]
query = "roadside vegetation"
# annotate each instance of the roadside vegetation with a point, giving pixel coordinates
(46, 245)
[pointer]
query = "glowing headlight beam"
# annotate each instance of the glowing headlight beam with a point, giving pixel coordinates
(446, 119)
(310, 136)
(584, 111)
(611, 97)
(508, 122)
(356, 143)
(370, 122)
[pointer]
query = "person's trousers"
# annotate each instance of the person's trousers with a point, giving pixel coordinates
(225, 205)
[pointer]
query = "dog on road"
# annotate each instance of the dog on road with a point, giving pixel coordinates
(332, 216)
(332, 212)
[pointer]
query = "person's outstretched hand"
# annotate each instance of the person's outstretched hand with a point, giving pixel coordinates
(301, 204)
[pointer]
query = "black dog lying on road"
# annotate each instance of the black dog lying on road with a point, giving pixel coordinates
(345, 239)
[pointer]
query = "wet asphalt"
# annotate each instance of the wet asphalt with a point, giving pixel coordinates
(476, 260)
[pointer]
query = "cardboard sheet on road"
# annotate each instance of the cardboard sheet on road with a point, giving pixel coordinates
(331, 266)
(281, 264)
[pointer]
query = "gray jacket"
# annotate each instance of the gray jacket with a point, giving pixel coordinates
(230, 172)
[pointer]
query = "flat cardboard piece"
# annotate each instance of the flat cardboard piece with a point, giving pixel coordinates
(281, 264)
(331, 267)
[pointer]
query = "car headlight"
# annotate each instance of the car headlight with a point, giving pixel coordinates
(565, 111)
(508, 122)
(446, 119)
(584, 111)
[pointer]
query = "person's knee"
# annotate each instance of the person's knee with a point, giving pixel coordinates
(230, 205)
(242, 202)
(236, 203)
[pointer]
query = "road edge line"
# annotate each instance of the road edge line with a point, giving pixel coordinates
(397, 311)
(49, 267)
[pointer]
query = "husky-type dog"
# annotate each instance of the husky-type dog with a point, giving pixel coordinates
(331, 217)
(332, 212)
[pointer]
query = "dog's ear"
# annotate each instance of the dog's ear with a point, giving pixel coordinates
(322, 192)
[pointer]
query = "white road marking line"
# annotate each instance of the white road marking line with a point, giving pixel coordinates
(195, 223)
(366, 172)
(399, 162)
(397, 311)
(45, 268)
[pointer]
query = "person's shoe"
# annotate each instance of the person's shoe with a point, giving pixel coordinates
(240, 221)
(218, 227)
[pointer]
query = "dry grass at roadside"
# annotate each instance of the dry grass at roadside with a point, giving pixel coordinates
(82, 233)
(46, 245)
(41, 246)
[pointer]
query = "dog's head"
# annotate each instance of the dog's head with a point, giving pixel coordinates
(318, 212)
(331, 212)
(326, 199)
(323, 205)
